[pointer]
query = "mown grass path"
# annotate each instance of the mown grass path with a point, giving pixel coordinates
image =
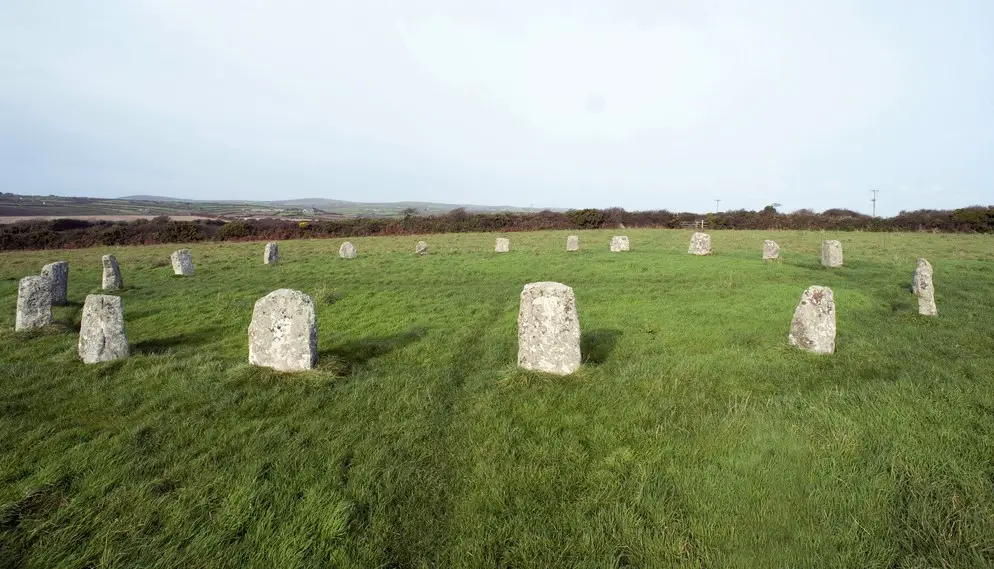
(692, 436)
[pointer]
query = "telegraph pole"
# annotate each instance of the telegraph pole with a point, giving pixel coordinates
(874, 200)
(716, 204)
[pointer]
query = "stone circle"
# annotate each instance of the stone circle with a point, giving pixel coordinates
(548, 329)
(619, 243)
(59, 273)
(421, 248)
(271, 255)
(182, 262)
(347, 251)
(831, 253)
(771, 251)
(503, 245)
(921, 284)
(101, 331)
(34, 303)
(700, 244)
(112, 274)
(813, 326)
(283, 334)
(573, 243)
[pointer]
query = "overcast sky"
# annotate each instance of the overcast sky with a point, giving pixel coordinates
(641, 104)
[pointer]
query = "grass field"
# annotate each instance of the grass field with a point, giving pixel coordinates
(692, 436)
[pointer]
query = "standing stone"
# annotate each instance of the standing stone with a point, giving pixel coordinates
(619, 243)
(101, 331)
(421, 248)
(922, 285)
(573, 243)
(112, 274)
(182, 262)
(771, 251)
(831, 253)
(700, 244)
(34, 303)
(813, 327)
(283, 334)
(503, 245)
(347, 251)
(272, 254)
(59, 273)
(548, 329)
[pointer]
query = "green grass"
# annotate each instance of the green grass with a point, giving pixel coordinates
(693, 436)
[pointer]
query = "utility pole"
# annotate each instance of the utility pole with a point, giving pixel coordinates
(716, 204)
(874, 200)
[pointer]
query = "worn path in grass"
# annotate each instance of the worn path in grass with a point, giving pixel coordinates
(692, 436)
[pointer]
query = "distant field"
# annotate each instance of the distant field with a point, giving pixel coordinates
(16, 218)
(692, 436)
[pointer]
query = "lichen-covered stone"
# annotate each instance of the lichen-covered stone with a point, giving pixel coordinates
(283, 334)
(503, 245)
(421, 248)
(271, 255)
(700, 244)
(182, 262)
(771, 251)
(619, 243)
(347, 251)
(573, 243)
(813, 326)
(34, 303)
(548, 329)
(831, 253)
(101, 331)
(112, 274)
(59, 273)
(922, 285)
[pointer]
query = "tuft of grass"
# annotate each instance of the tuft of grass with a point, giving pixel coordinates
(691, 436)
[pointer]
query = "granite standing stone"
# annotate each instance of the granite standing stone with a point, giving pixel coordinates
(34, 303)
(59, 273)
(573, 243)
(700, 244)
(831, 253)
(548, 329)
(112, 274)
(922, 285)
(347, 251)
(421, 248)
(771, 251)
(813, 326)
(283, 334)
(503, 245)
(101, 331)
(619, 243)
(271, 255)
(182, 262)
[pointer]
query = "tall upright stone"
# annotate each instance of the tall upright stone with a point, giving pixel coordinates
(922, 285)
(619, 243)
(283, 334)
(771, 251)
(347, 251)
(59, 273)
(271, 255)
(182, 262)
(813, 326)
(503, 245)
(573, 243)
(700, 244)
(548, 329)
(421, 248)
(101, 330)
(112, 274)
(831, 253)
(34, 303)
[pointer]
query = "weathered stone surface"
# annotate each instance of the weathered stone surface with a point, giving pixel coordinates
(548, 329)
(182, 262)
(421, 248)
(922, 285)
(573, 243)
(59, 273)
(347, 251)
(619, 243)
(503, 245)
(271, 255)
(101, 331)
(283, 334)
(112, 274)
(34, 303)
(700, 244)
(831, 253)
(771, 251)
(813, 326)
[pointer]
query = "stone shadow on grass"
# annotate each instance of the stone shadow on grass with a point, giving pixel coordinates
(164, 345)
(597, 345)
(357, 352)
